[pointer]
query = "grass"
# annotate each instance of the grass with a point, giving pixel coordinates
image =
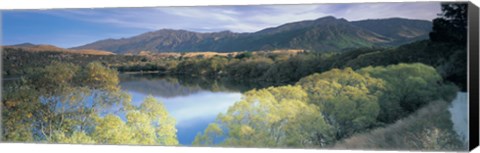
(213, 54)
(50, 48)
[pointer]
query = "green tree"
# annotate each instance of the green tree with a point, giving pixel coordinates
(451, 25)
(449, 42)
(158, 117)
(244, 55)
(249, 69)
(148, 124)
(271, 117)
(75, 138)
(18, 109)
(65, 103)
(408, 87)
(97, 76)
(348, 100)
(112, 130)
(210, 134)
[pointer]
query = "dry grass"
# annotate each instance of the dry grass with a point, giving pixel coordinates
(91, 52)
(430, 128)
(50, 48)
(212, 54)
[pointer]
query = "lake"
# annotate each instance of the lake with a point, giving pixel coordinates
(193, 102)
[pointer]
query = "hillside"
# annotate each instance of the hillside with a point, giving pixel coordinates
(19, 59)
(323, 34)
(50, 48)
(399, 30)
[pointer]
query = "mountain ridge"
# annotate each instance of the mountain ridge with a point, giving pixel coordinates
(322, 34)
(51, 48)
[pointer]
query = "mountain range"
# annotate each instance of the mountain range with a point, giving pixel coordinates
(323, 34)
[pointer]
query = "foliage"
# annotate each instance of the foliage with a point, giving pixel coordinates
(210, 134)
(66, 103)
(451, 25)
(271, 117)
(148, 124)
(327, 107)
(311, 99)
(348, 100)
(450, 30)
(408, 88)
(99, 77)
(18, 61)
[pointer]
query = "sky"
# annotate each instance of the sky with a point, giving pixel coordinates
(74, 27)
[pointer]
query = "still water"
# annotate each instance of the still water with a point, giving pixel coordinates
(194, 103)
(459, 115)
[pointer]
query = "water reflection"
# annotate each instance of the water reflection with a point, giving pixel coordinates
(156, 86)
(193, 102)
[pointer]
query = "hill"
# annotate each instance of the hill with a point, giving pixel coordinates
(400, 31)
(50, 48)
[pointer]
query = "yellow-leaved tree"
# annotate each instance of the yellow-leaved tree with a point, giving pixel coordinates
(66, 103)
(347, 99)
(271, 117)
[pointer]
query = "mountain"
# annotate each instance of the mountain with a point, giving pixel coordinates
(399, 30)
(50, 48)
(24, 45)
(323, 34)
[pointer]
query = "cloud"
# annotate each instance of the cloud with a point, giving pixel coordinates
(140, 18)
(245, 18)
(287, 13)
(361, 11)
(126, 22)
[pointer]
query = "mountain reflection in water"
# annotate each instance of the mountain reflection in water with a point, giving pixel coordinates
(193, 102)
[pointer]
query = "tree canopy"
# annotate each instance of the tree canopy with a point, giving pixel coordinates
(408, 87)
(347, 99)
(451, 25)
(327, 107)
(271, 117)
(66, 103)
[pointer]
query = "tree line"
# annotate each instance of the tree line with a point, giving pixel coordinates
(327, 107)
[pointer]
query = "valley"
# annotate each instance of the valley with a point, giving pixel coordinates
(324, 83)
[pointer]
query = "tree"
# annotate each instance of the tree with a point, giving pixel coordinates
(97, 76)
(76, 138)
(148, 124)
(451, 25)
(18, 108)
(162, 123)
(449, 43)
(65, 103)
(271, 117)
(210, 134)
(244, 55)
(348, 100)
(57, 99)
(408, 87)
(112, 130)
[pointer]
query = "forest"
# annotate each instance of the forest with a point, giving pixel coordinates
(362, 98)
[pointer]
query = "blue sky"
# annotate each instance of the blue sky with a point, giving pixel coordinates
(75, 27)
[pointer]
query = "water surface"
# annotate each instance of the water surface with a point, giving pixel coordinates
(459, 111)
(193, 105)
